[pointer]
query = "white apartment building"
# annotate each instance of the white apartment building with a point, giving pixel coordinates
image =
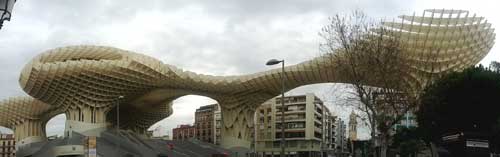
(341, 140)
(308, 127)
(217, 127)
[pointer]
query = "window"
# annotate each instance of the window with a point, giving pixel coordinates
(292, 125)
(295, 125)
(318, 117)
(268, 144)
(295, 116)
(292, 144)
(291, 134)
(317, 125)
(319, 110)
(304, 144)
(317, 135)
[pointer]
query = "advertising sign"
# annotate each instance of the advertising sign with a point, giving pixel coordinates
(92, 143)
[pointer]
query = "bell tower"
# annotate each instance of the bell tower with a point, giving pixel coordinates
(353, 132)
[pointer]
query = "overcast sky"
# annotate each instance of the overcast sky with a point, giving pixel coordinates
(218, 37)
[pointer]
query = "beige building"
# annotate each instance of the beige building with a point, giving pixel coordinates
(308, 127)
(7, 145)
(218, 126)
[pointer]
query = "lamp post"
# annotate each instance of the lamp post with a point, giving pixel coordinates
(273, 62)
(118, 99)
(118, 112)
(6, 10)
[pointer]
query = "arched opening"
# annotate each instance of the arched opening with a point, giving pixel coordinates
(55, 126)
(184, 109)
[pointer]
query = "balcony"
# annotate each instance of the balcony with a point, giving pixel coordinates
(291, 135)
(289, 108)
(293, 117)
(293, 129)
(291, 112)
(292, 125)
(316, 129)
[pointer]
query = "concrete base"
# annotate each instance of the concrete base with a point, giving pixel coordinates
(229, 142)
(68, 150)
(86, 129)
(238, 147)
(28, 140)
(30, 149)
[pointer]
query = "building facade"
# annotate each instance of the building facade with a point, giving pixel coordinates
(218, 126)
(204, 121)
(183, 132)
(7, 145)
(307, 127)
(207, 126)
(341, 140)
(333, 132)
(328, 145)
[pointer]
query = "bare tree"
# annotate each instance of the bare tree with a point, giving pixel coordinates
(371, 58)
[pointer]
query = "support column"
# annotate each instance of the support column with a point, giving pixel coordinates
(140, 132)
(86, 120)
(29, 131)
(237, 126)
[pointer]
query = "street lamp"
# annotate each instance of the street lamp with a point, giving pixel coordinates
(118, 100)
(6, 10)
(282, 75)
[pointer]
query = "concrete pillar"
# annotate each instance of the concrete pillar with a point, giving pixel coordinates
(140, 132)
(29, 131)
(237, 125)
(86, 120)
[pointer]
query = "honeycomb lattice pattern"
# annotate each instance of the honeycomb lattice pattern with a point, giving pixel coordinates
(89, 79)
(442, 40)
(25, 115)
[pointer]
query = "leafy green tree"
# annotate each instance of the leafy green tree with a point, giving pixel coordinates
(462, 101)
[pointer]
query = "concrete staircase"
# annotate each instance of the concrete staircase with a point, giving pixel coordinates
(125, 143)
